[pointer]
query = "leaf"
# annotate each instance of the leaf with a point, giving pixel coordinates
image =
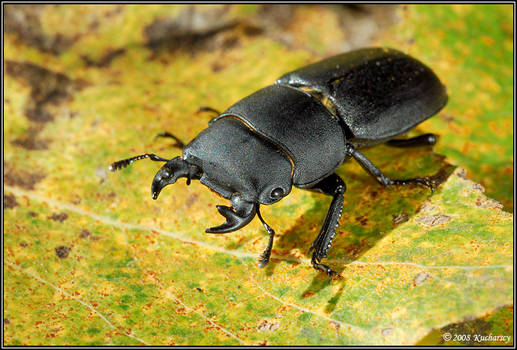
(91, 259)
(471, 49)
(154, 285)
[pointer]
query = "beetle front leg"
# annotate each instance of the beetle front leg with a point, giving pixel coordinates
(264, 258)
(379, 176)
(334, 186)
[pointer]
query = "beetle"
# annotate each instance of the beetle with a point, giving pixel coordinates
(299, 130)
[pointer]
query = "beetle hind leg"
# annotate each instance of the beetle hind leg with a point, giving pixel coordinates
(380, 177)
(421, 140)
(334, 186)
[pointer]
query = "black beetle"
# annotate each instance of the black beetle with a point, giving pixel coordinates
(297, 131)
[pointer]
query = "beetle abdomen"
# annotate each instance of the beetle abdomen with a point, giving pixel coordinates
(379, 93)
(299, 125)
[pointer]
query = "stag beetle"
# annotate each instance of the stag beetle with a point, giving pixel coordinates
(297, 131)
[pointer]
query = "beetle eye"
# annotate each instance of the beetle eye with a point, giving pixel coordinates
(277, 193)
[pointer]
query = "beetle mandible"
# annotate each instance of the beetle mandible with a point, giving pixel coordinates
(297, 131)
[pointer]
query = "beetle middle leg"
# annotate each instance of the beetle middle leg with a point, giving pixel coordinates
(207, 109)
(211, 110)
(379, 176)
(334, 186)
(178, 143)
(421, 140)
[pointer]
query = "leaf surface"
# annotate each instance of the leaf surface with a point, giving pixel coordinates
(91, 259)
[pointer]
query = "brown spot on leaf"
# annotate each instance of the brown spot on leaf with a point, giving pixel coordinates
(267, 326)
(217, 66)
(478, 187)
(249, 29)
(47, 87)
(461, 172)
(7, 321)
(21, 178)
(336, 325)
(191, 199)
(484, 202)
(428, 207)
(10, 201)
(84, 233)
(48, 90)
(62, 251)
(24, 21)
(363, 220)
(433, 220)
(387, 331)
(30, 140)
(447, 118)
(308, 294)
(24, 244)
(58, 217)
(32, 214)
(400, 218)
(105, 60)
(420, 278)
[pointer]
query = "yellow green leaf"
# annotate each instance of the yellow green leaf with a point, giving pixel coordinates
(91, 259)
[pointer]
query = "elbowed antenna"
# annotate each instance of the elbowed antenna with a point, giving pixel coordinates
(125, 162)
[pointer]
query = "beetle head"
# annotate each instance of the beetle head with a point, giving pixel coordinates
(171, 171)
(236, 160)
(233, 161)
(243, 179)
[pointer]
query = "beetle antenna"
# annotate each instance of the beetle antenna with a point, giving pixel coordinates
(125, 162)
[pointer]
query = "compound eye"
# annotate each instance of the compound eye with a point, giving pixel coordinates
(277, 193)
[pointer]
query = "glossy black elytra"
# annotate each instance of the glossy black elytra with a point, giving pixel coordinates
(297, 131)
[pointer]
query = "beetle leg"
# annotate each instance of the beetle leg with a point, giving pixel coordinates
(207, 109)
(264, 258)
(379, 176)
(422, 140)
(334, 186)
(178, 143)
